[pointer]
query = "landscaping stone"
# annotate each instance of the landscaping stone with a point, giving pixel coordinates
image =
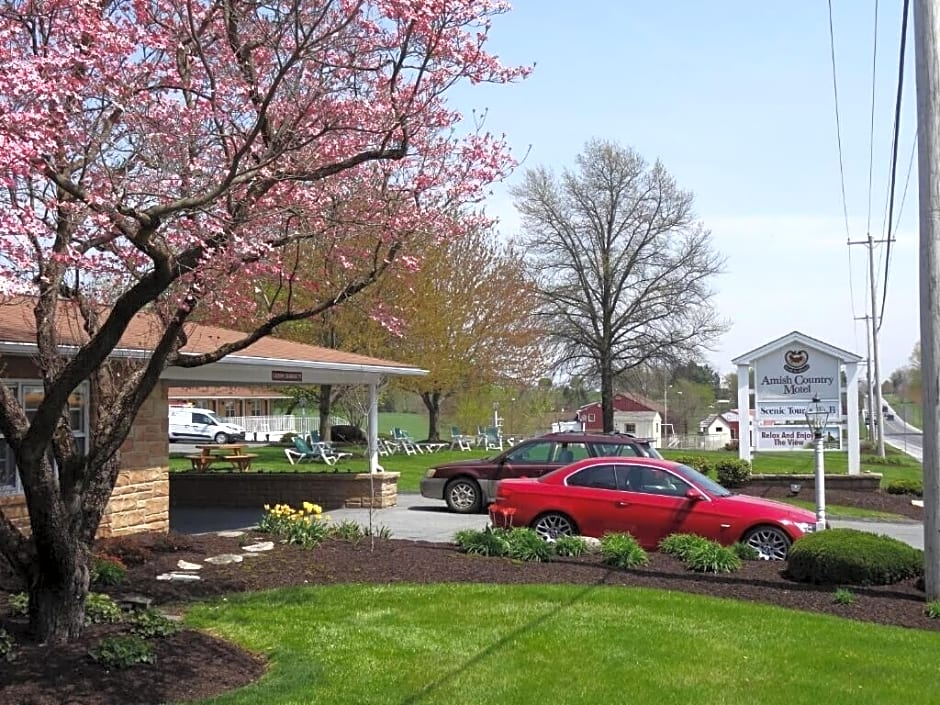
(262, 546)
(136, 602)
(230, 534)
(225, 559)
(186, 565)
(175, 577)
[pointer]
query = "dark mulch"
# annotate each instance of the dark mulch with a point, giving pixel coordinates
(192, 665)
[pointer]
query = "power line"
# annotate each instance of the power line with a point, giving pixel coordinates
(907, 180)
(871, 130)
(894, 155)
(835, 92)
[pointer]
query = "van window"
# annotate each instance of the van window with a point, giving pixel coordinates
(204, 419)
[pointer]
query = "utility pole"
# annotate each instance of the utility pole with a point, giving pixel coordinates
(927, 59)
(878, 420)
(870, 421)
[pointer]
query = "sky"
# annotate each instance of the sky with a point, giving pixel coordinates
(736, 99)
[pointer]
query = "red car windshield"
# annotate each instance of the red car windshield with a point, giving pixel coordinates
(702, 481)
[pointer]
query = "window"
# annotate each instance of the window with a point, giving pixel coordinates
(629, 428)
(599, 476)
(569, 452)
(230, 409)
(590, 418)
(256, 408)
(655, 481)
(537, 452)
(719, 429)
(30, 395)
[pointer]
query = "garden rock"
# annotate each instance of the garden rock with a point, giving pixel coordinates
(230, 534)
(225, 559)
(176, 577)
(262, 546)
(186, 565)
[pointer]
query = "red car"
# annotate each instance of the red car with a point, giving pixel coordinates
(649, 499)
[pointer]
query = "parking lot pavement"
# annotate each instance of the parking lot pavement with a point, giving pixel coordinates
(421, 519)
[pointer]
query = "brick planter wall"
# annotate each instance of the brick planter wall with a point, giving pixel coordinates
(328, 489)
(866, 482)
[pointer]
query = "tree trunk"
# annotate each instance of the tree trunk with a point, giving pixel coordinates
(57, 592)
(325, 407)
(432, 401)
(607, 396)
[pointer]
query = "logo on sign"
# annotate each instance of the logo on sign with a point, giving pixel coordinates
(796, 361)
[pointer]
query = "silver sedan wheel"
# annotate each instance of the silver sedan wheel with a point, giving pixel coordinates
(771, 543)
(552, 525)
(463, 496)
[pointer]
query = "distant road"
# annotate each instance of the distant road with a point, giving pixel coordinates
(904, 437)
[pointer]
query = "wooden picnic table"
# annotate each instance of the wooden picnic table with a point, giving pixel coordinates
(232, 453)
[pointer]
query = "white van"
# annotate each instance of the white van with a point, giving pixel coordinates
(190, 424)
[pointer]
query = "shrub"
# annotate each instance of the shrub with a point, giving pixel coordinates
(698, 462)
(107, 571)
(572, 546)
(19, 604)
(912, 487)
(123, 651)
(346, 530)
(887, 460)
(6, 645)
(932, 609)
(745, 551)
(732, 472)
(844, 597)
(101, 609)
(171, 542)
(151, 624)
(129, 550)
(712, 557)
(526, 545)
(733, 445)
(849, 556)
(622, 551)
(488, 542)
(304, 527)
(679, 545)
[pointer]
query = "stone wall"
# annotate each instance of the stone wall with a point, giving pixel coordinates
(328, 489)
(140, 501)
(865, 482)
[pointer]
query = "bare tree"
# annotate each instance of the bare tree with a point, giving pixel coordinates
(625, 268)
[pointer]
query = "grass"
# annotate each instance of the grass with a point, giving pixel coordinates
(836, 462)
(835, 511)
(411, 467)
(528, 645)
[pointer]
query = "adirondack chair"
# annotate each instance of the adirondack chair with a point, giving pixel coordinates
(405, 442)
(300, 452)
(458, 440)
(323, 450)
(494, 441)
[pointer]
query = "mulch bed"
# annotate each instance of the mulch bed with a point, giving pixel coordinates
(192, 665)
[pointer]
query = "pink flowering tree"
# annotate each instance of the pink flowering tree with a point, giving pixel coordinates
(157, 155)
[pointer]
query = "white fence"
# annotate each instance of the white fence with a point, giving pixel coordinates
(271, 428)
(695, 442)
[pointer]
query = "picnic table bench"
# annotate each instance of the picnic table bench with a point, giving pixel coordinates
(231, 453)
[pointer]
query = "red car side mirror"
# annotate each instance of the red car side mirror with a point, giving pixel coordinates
(694, 495)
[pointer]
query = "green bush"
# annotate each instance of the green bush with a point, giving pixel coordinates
(932, 609)
(488, 542)
(526, 545)
(912, 487)
(572, 546)
(887, 460)
(699, 462)
(745, 551)
(732, 472)
(107, 571)
(712, 557)
(123, 651)
(19, 604)
(152, 624)
(622, 551)
(6, 645)
(844, 597)
(101, 609)
(679, 545)
(852, 557)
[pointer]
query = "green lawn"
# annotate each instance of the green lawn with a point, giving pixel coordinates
(895, 466)
(835, 511)
(536, 644)
(411, 467)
